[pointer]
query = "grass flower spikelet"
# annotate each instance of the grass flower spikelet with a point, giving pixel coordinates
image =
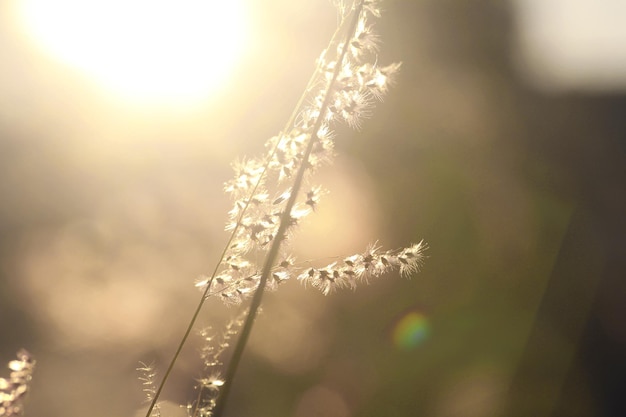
(13, 390)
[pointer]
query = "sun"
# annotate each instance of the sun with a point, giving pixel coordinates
(146, 50)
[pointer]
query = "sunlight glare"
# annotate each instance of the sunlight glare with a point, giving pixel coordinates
(142, 50)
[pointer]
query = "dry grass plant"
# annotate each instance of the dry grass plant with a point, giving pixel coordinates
(271, 195)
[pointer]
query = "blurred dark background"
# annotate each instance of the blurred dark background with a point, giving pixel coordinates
(516, 182)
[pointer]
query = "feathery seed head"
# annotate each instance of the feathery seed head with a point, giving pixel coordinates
(14, 389)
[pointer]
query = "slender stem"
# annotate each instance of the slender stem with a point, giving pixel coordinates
(206, 293)
(285, 222)
(187, 332)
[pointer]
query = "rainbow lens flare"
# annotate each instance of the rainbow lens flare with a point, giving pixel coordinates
(410, 330)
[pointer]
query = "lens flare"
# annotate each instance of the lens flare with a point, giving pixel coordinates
(410, 330)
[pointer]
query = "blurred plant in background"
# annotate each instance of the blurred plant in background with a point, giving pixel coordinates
(13, 390)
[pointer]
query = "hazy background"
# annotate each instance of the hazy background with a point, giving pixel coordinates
(502, 146)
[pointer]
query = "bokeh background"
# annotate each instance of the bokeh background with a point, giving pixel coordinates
(502, 146)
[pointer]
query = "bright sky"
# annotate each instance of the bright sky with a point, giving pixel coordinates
(573, 44)
(142, 50)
